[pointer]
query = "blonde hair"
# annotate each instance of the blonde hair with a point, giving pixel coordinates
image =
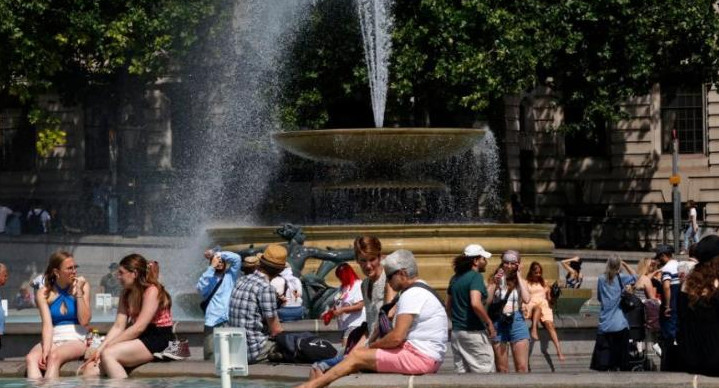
(644, 266)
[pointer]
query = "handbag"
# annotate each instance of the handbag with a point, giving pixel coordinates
(628, 301)
(495, 308)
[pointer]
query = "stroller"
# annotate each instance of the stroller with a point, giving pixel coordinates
(639, 360)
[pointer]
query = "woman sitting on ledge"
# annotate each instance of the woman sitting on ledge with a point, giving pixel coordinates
(145, 306)
(538, 308)
(64, 304)
(574, 276)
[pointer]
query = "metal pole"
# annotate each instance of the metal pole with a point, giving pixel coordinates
(676, 194)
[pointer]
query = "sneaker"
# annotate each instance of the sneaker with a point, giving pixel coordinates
(177, 350)
(170, 348)
(657, 349)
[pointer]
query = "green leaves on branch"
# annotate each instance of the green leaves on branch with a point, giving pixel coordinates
(454, 56)
(49, 133)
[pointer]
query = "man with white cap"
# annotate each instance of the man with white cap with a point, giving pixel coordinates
(418, 340)
(472, 328)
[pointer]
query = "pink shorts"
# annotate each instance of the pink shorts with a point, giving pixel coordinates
(406, 360)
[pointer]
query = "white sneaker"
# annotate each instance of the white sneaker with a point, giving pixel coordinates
(657, 349)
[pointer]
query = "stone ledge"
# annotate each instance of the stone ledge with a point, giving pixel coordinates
(311, 325)
(298, 373)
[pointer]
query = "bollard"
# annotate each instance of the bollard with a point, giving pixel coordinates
(230, 353)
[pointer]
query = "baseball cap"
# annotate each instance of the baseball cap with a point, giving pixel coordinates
(473, 250)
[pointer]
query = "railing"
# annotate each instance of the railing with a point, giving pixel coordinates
(615, 233)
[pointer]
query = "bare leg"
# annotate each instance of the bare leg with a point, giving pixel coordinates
(32, 362)
(360, 359)
(124, 354)
(501, 357)
(59, 355)
(555, 340)
(315, 374)
(536, 313)
(520, 351)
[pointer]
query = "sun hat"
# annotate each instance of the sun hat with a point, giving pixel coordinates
(474, 250)
(251, 261)
(510, 256)
(274, 256)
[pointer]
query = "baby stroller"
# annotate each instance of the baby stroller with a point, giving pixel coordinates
(639, 360)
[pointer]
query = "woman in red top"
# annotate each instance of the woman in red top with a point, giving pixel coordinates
(143, 325)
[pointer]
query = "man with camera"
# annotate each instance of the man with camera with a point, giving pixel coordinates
(215, 285)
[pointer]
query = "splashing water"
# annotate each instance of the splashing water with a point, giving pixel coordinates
(376, 25)
(486, 153)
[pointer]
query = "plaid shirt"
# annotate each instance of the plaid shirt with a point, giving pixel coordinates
(252, 303)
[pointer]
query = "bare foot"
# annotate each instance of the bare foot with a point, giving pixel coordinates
(534, 333)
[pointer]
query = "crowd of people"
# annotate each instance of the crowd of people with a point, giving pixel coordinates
(677, 303)
(391, 320)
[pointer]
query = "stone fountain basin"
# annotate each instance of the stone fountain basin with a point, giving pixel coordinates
(379, 145)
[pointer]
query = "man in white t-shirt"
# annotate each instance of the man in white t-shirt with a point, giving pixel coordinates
(418, 340)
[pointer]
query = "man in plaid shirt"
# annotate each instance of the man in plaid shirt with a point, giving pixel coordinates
(253, 304)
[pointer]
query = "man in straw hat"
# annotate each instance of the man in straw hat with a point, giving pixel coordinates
(253, 304)
(215, 286)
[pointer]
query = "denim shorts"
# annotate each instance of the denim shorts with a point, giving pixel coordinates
(516, 331)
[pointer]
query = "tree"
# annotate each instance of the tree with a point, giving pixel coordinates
(70, 46)
(457, 58)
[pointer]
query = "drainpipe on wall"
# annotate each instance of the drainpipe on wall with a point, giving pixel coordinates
(675, 179)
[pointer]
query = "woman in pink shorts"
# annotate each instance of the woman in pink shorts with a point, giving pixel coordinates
(417, 341)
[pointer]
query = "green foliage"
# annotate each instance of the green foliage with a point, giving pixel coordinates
(324, 69)
(451, 57)
(70, 46)
(49, 133)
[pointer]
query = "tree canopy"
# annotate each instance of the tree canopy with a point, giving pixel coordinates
(67, 46)
(457, 57)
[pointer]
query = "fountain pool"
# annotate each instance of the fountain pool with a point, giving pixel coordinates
(140, 383)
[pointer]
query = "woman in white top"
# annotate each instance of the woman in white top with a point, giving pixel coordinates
(508, 285)
(691, 234)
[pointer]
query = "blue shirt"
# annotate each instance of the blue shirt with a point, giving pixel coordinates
(611, 316)
(219, 306)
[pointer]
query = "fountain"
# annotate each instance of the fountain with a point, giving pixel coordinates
(386, 197)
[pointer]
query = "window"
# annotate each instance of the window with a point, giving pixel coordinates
(17, 142)
(97, 139)
(584, 142)
(683, 110)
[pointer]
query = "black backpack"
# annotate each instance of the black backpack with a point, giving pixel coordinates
(304, 347)
(34, 222)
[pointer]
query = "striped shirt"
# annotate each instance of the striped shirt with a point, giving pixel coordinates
(670, 272)
(252, 303)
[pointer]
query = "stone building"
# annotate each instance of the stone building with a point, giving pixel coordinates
(614, 190)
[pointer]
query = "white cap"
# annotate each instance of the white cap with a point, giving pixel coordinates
(473, 250)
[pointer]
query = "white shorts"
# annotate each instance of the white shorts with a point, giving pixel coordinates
(66, 333)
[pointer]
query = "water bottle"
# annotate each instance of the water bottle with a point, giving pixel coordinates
(502, 279)
(95, 341)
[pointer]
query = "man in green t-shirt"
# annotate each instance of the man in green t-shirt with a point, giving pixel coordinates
(472, 328)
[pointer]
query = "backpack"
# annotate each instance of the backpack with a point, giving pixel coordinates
(34, 222)
(292, 284)
(304, 347)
